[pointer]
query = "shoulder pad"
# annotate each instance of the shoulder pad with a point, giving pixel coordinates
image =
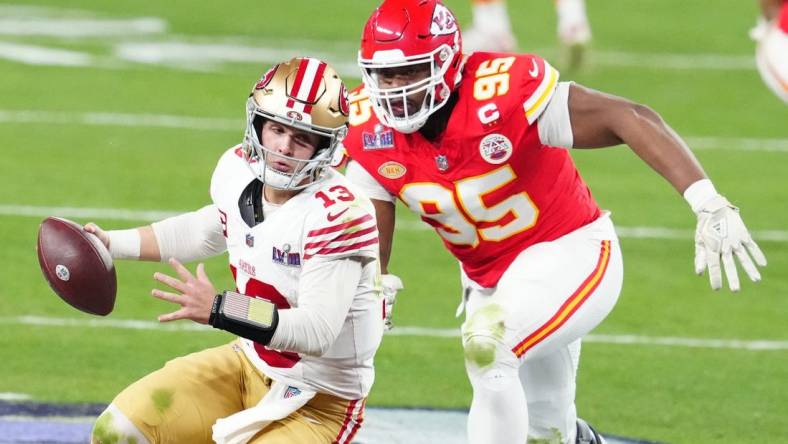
(343, 224)
(513, 81)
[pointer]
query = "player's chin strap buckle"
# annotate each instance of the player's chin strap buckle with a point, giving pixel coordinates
(248, 317)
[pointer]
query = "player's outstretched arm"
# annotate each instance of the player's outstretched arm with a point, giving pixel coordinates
(137, 243)
(390, 284)
(186, 237)
(600, 120)
(385, 214)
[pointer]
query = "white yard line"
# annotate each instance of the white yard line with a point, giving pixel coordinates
(154, 215)
(40, 55)
(100, 118)
(10, 396)
(134, 324)
(19, 22)
(81, 27)
(196, 55)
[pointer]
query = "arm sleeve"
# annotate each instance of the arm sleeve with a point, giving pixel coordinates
(363, 180)
(190, 236)
(555, 127)
(326, 291)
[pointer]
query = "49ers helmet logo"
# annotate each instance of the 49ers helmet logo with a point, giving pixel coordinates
(266, 79)
(344, 108)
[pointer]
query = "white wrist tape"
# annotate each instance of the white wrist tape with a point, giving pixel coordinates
(699, 193)
(124, 244)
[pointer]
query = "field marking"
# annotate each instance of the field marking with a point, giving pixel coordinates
(73, 27)
(10, 396)
(99, 118)
(184, 52)
(39, 55)
(155, 215)
(123, 119)
(135, 324)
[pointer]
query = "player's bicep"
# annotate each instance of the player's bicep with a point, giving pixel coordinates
(596, 117)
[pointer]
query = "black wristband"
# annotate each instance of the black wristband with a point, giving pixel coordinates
(248, 317)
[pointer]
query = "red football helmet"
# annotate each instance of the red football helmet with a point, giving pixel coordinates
(403, 33)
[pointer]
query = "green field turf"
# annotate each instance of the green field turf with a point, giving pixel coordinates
(665, 393)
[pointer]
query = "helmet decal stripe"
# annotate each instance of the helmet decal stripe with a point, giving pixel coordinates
(294, 91)
(321, 67)
(306, 84)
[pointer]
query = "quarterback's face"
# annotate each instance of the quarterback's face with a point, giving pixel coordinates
(401, 77)
(287, 141)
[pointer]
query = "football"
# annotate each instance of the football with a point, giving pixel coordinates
(77, 266)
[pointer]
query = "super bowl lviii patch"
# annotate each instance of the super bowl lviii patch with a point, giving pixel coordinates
(379, 140)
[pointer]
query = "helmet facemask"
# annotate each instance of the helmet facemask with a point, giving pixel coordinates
(390, 104)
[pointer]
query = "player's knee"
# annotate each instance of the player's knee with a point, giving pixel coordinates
(480, 350)
(483, 335)
(113, 427)
(487, 365)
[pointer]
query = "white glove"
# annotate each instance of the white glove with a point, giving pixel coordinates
(390, 284)
(721, 234)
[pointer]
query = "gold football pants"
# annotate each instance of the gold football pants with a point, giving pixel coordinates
(180, 402)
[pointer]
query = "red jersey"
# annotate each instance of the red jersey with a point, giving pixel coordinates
(783, 18)
(488, 185)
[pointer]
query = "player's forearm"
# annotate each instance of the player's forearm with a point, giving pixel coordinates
(770, 8)
(136, 243)
(385, 214)
(185, 237)
(647, 134)
(601, 120)
(326, 292)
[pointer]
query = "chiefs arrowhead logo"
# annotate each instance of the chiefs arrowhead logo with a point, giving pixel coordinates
(443, 22)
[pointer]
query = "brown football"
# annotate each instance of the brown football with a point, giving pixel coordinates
(77, 266)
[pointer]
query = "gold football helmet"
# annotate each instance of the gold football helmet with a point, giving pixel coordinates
(303, 93)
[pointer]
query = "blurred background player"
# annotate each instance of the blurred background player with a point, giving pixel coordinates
(491, 29)
(478, 148)
(771, 53)
(303, 250)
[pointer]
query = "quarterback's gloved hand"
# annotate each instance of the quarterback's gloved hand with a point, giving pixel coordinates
(719, 235)
(390, 284)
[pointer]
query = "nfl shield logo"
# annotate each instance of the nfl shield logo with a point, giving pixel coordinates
(442, 163)
(291, 391)
(249, 240)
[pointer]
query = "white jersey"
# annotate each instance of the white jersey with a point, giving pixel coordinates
(326, 220)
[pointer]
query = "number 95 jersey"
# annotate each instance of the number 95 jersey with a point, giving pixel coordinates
(487, 185)
(327, 220)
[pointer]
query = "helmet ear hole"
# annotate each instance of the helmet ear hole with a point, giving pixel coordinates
(257, 123)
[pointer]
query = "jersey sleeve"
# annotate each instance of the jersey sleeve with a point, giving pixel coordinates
(555, 126)
(339, 231)
(539, 81)
(231, 172)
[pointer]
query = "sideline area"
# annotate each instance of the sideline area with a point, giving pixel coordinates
(30, 422)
